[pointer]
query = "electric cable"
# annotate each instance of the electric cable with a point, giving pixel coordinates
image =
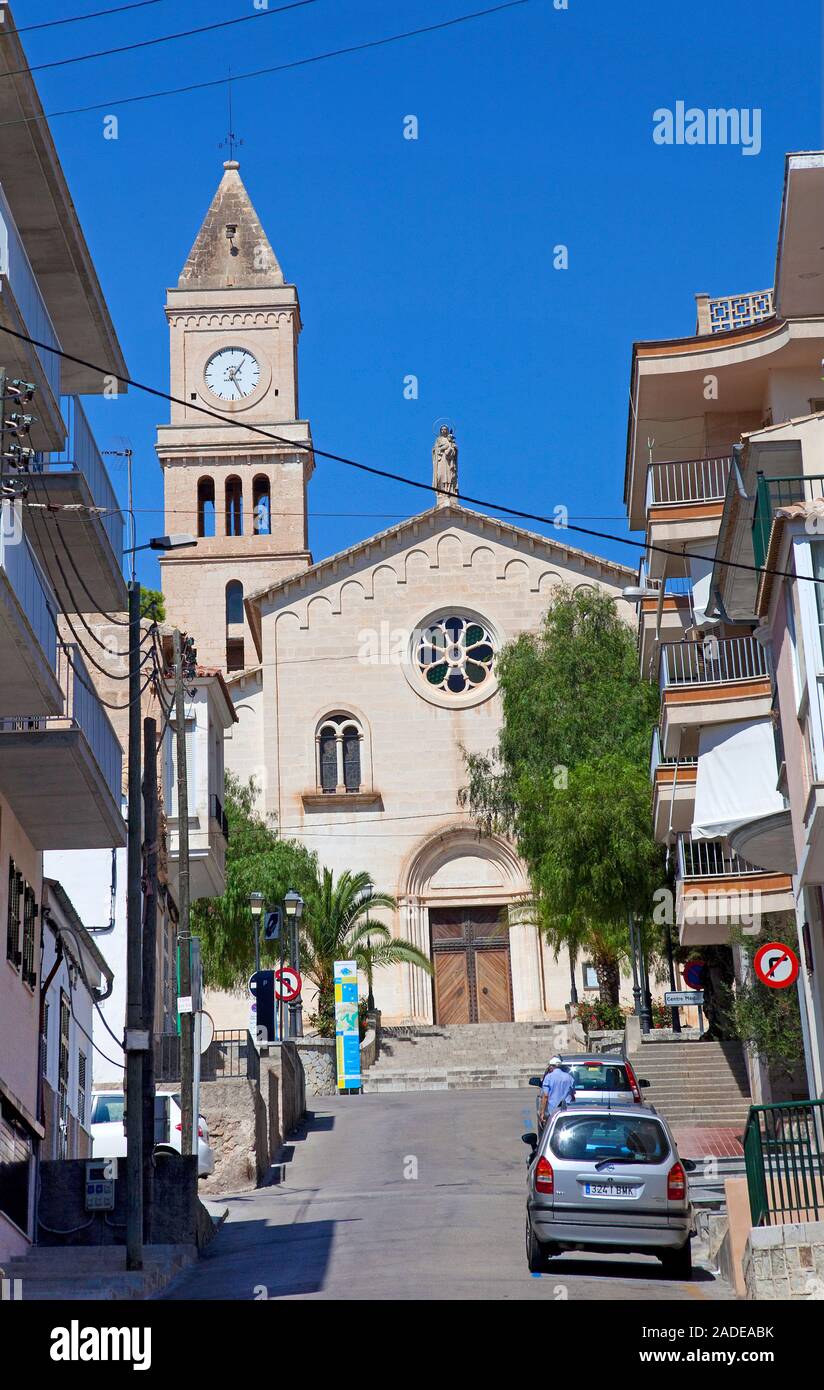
(161, 38)
(97, 608)
(79, 18)
(268, 71)
(373, 471)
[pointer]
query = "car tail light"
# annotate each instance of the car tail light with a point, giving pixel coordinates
(676, 1183)
(199, 1130)
(544, 1176)
(633, 1084)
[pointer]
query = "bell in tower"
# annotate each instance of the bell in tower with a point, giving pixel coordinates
(234, 324)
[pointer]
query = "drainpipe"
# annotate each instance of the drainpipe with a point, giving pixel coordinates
(44, 989)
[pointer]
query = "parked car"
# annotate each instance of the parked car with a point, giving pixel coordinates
(606, 1178)
(601, 1078)
(109, 1134)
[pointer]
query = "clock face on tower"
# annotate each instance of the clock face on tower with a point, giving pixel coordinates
(232, 373)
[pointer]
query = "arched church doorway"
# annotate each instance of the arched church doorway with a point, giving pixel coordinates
(470, 954)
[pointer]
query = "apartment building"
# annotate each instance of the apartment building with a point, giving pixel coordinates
(725, 475)
(60, 759)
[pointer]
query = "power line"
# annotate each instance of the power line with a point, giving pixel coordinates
(162, 38)
(375, 472)
(265, 72)
(79, 18)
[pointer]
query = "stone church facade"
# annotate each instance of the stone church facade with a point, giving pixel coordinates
(360, 681)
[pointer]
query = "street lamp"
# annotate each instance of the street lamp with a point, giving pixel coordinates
(256, 901)
(293, 906)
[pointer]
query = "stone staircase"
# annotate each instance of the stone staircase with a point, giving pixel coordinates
(698, 1084)
(468, 1056)
(92, 1272)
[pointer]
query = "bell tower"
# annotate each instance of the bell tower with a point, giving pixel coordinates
(233, 325)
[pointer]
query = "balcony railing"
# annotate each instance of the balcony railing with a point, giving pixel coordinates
(729, 311)
(15, 265)
(687, 480)
(82, 455)
(710, 859)
(84, 711)
(218, 814)
(772, 493)
(656, 759)
(713, 661)
(28, 581)
(784, 1159)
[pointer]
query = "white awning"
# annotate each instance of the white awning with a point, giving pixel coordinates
(736, 778)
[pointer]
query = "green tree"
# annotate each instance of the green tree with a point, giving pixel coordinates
(338, 925)
(569, 777)
(769, 1018)
(256, 861)
(152, 605)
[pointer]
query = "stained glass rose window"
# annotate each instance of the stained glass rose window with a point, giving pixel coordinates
(455, 654)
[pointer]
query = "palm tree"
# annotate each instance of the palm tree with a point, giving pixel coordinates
(337, 924)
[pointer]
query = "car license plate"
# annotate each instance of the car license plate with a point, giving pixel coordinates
(610, 1189)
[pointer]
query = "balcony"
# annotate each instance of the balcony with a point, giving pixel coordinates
(663, 617)
(62, 773)
(684, 503)
(772, 493)
(711, 682)
(89, 546)
(23, 309)
(673, 790)
(28, 625)
(716, 889)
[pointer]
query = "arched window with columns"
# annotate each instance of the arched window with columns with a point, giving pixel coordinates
(206, 507)
(234, 506)
(261, 504)
(338, 758)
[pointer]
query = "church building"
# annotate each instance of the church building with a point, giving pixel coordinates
(358, 680)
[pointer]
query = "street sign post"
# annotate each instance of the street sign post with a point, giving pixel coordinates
(683, 998)
(776, 965)
(262, 989)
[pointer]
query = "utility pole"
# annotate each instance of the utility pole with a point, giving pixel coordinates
(149, 962)
(184, 937)
(136, 1036)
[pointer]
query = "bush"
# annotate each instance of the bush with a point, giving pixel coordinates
(595, 1015)
(661, 1015)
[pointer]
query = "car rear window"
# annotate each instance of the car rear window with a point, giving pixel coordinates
(588, 1139)
(107, 1109)
(600, 1076)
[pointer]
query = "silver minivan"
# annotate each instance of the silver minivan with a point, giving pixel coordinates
(608, 1178)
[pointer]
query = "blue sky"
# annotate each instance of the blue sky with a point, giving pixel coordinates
(434, 257)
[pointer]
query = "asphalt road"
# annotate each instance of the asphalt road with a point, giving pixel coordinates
(418, 1195)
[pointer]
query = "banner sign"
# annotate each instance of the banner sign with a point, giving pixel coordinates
(347, 1030)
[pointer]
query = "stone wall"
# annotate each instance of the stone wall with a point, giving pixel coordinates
(250, 1120)
(178, 1216)
(319, 1064)
(785, 1261)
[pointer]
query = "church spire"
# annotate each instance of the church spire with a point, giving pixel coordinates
(231, 250)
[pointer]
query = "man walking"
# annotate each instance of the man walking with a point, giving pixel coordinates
(556, 1088)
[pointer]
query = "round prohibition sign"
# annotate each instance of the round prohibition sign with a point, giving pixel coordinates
(288, 984)
(776, 965)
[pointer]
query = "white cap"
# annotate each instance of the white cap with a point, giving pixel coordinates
(555, 1062)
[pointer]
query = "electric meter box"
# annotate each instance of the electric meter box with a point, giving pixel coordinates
(99, 1188)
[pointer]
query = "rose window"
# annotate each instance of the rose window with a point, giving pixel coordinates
(455, 654)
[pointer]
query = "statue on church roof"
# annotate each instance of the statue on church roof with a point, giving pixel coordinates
(444, 464)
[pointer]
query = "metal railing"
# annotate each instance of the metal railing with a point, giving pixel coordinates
(231, 1055)
(15, 265)
(711, 859)
(784, 1160)
(657, 760)
(217, 813)
(772, 493)
(34, 593)
(713, 661)
(688, 480)
(84, 708)
(82, 455)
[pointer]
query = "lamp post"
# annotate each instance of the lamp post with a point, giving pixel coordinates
(293, 906)
(256, 901)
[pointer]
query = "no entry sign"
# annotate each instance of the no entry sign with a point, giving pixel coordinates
(776, 965)
(288, 984)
